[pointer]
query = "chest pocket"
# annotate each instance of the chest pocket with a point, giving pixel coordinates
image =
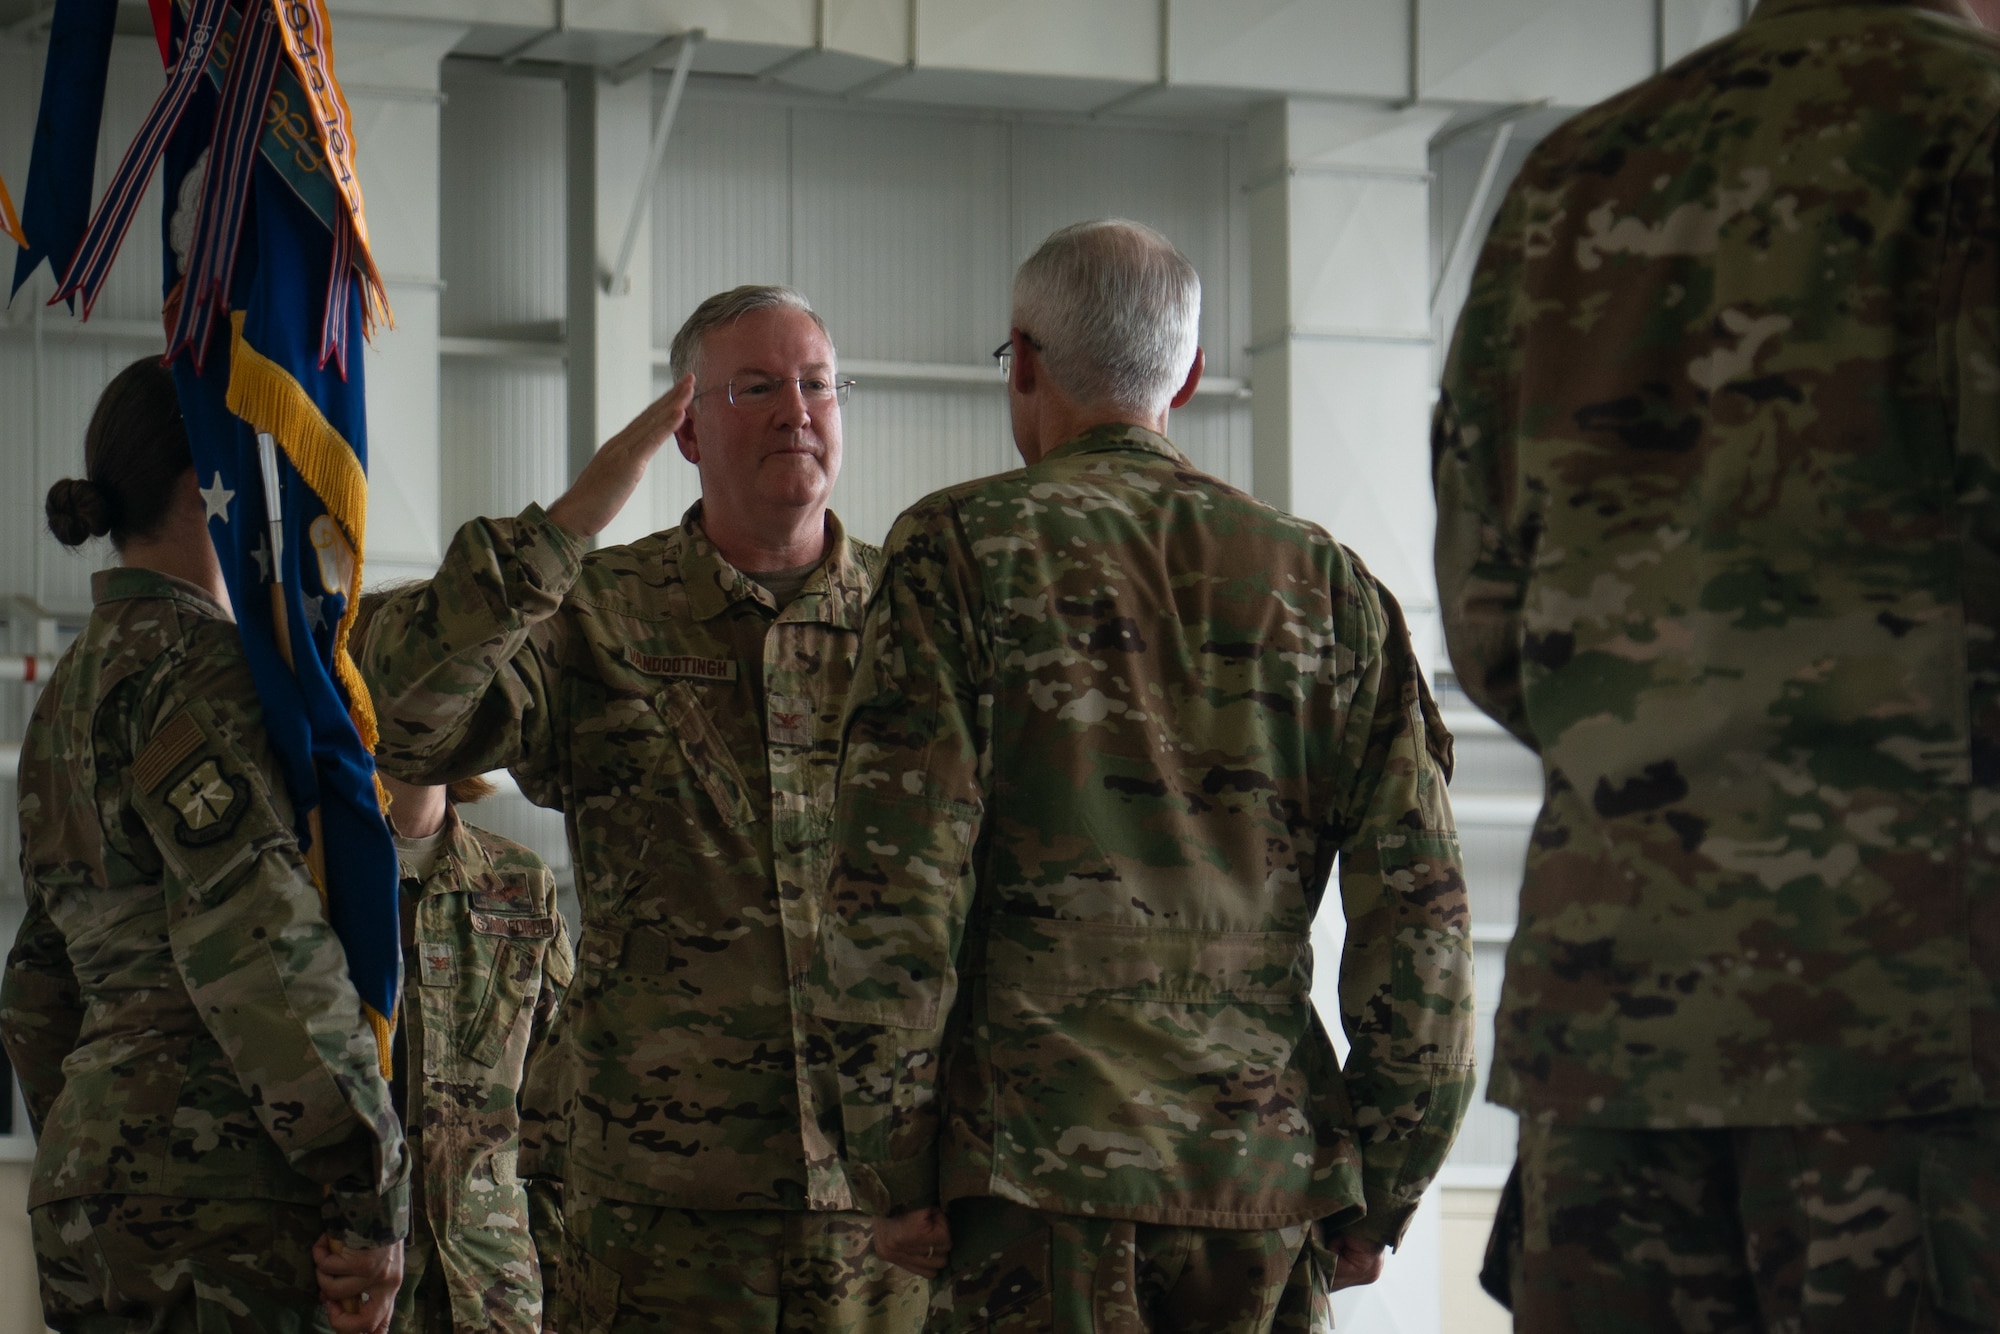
(512, 928)
(707, 753)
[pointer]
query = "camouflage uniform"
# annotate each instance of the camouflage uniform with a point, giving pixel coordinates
(1717, 466)
(192, 1053)
(487, 960)
(1112, 725)
(687, 730)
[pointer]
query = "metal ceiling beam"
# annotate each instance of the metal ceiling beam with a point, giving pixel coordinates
(618, 281)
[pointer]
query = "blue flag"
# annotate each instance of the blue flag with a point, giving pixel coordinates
(269, 290)
(265, 403)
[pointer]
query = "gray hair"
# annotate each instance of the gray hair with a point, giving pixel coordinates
(1116, 310)
(726, 308)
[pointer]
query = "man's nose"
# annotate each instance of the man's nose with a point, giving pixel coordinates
(792, 412)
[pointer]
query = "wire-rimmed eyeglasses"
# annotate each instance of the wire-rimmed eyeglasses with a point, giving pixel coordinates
(1003, 355)
(759, 391)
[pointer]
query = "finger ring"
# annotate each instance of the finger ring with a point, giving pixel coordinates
(364, 1299)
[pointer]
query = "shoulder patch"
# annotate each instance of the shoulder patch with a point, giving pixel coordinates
(174, 743)
(683, 665)
(209, 803)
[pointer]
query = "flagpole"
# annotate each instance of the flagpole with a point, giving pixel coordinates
(274, 522)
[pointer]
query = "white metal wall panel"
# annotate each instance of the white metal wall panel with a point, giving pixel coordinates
(722, 209)
(1689, 24)
(1353, 48)
(1215, 435)
(1573, 52)
(133, 293)
(905, 441)
(502, 181)
(503, 440)
(899, 227)
(1175, 181)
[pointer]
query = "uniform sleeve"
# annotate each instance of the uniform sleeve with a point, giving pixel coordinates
(459, 667)
(1482, 562)
(251, 943)
(41, 1008)
(1406, 999)
(1969, 344)
(908, 810)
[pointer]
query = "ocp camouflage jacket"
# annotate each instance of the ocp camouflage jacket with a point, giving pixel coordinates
(176, 1006)
(688, 733)
(488, 964)
(1112, 725)
(1718, 472)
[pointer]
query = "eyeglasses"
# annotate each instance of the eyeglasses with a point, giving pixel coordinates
(760, 391)
(1003, 355)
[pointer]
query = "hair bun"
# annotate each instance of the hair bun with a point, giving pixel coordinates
(78, 510)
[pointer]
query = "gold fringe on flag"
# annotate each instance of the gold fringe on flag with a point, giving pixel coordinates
(264, 394)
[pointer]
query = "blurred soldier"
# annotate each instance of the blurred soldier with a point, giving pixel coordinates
(1717, 467)
(678, 699)
(486, 961)
(204, 1094)
(1112, 725)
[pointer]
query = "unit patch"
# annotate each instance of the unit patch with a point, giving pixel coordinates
(209, 802)
(683, 665)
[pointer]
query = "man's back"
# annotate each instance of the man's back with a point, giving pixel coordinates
(1716, 469)
(1157, 709)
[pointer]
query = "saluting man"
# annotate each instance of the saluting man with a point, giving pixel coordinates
(1113, 723)
(677, 699)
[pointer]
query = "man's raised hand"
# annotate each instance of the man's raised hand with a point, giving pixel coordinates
(615, 471)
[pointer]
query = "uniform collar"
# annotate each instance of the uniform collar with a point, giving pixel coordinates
(123, 582)
(461, 861)
(1770, 9)
(835, 595)
(1116, 436)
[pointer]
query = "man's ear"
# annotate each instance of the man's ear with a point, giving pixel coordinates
(1187, 388)
(1027, 368)
(684, 436)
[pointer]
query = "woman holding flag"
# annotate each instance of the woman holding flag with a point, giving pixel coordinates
(193, 1053)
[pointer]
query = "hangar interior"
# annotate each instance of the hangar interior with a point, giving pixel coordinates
(553, 184)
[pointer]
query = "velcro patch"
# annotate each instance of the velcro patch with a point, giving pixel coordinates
(174, 743)
(790, 720)
(683, 665)
(516, 928)
(504, 893)
(210, 804)
(436, 966)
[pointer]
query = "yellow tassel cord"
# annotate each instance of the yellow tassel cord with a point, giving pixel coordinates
(265, 395)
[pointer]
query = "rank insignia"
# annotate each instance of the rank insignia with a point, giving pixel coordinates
(209, 803)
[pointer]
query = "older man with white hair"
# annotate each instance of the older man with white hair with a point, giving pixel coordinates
(1112, 725)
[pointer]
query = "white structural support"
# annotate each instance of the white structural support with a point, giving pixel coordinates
(609, 333)
(26, 666)
(391, 73)
(1342, 345)
(619, 280)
